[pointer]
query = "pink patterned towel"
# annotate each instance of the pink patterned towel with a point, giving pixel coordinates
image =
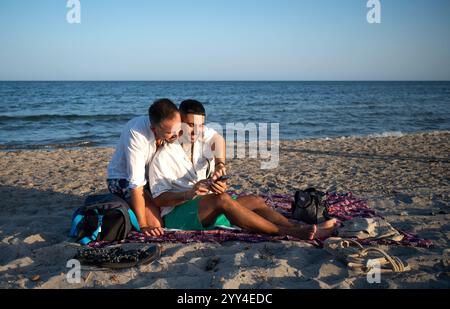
(341, 206)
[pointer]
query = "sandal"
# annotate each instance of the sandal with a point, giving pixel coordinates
(358, 258)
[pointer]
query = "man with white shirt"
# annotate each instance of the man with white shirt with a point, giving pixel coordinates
(203, 145)
(190, 200)
(187, 204)
(127, 171)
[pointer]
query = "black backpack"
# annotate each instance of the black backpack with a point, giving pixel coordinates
(308, 206)
(105, 217)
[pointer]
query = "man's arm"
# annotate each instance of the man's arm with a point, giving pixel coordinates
(153, 213)
(144, 207)
(147, 214)
(138, 205)
(218, 147)
(170, 199)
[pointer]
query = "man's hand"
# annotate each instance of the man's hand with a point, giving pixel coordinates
(219, 187)
(200, 188)
(152, 231)
(220, 170)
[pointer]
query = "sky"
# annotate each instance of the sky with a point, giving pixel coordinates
(225, 40)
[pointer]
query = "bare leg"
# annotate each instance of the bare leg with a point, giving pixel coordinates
(210, 206)
(259, 206)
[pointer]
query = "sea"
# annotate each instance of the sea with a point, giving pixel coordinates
(73, 114)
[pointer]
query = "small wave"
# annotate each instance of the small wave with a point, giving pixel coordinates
(48, 146)
(382, 134)
(44, 117)
(370, 135)
(387, 134)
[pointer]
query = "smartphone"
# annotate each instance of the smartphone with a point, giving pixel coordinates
(223, 178)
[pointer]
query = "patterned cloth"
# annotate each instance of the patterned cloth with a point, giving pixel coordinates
(119, 187)
(345, 207)
(341, 206)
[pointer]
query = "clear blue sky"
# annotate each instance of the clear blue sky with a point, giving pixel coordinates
(224, 40)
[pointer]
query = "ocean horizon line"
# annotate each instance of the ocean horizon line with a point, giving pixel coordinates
(239, 81)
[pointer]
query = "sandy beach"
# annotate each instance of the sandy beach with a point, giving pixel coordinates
(405, 178)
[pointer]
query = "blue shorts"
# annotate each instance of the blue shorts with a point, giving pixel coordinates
(120, 187)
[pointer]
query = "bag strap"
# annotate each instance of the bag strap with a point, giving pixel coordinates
(73, 229)
(130, 217)
(134, 220)
(86, 240)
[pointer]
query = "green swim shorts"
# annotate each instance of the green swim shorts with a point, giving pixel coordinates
(185, 217)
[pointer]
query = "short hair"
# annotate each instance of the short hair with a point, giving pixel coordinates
(161, 109)
(192, 107)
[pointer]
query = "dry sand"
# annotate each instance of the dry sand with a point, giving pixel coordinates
(405, 178)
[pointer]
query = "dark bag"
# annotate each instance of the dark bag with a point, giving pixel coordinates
(308, 206)
(104, 217)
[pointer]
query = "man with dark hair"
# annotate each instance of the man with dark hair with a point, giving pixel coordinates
(203, 145)
(127, 171)
(192, 106)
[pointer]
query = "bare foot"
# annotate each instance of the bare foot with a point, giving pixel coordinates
(309, 232)
(305, 232)
(328, 224)
(323, 233)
